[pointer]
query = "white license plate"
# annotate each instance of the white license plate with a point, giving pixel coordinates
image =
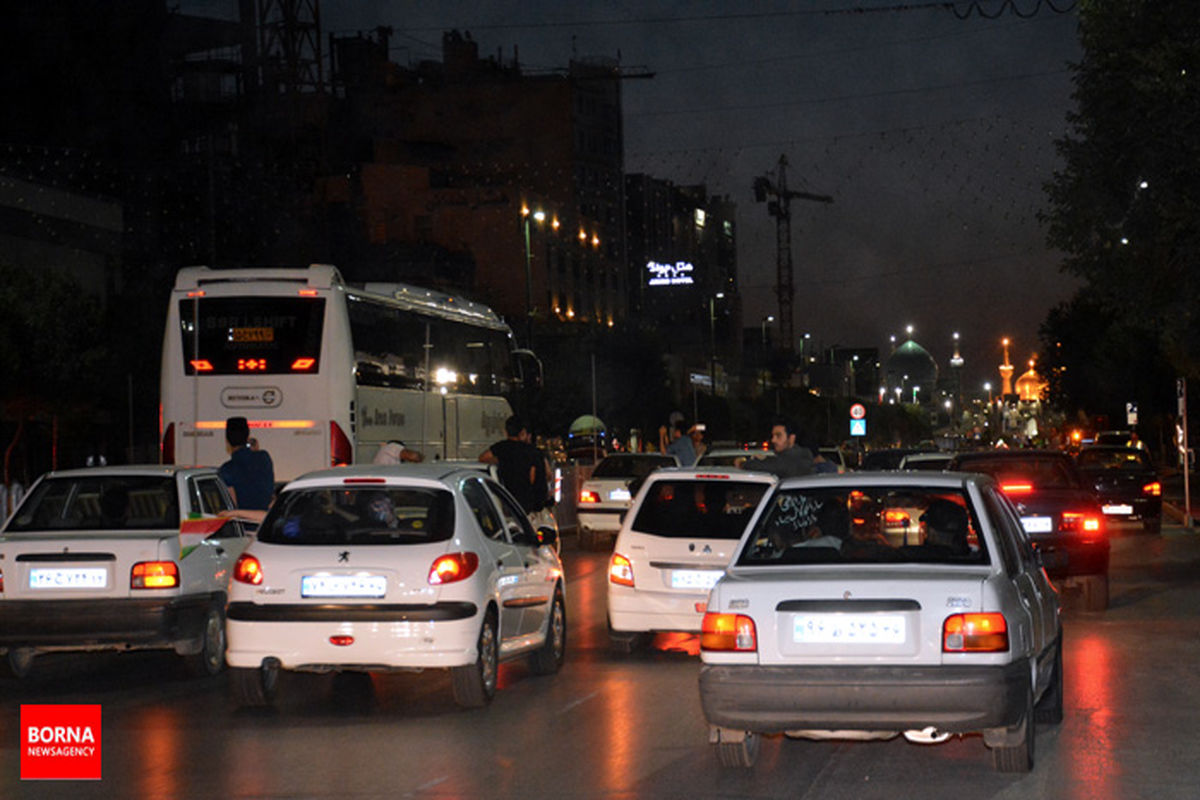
(1037, 524)
(343, 586)
(619, 494)
(1118, 509)
(68, 578)
(694, 578)
(848, 629)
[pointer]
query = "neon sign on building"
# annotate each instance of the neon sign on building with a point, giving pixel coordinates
(677, 274)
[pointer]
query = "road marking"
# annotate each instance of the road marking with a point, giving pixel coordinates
(428, 785)
(578, 702)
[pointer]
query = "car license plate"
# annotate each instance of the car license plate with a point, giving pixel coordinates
(343, 586)
(619, 494)
(848, 629)
(694, 578)
(68, 578)
(1037, 524)
(1118, 510)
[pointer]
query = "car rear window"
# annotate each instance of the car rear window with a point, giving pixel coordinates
(699, 509)
(1040, 472)
(1114, 459)
(376, 515)
(630, 466)
(865, 525)
(100, 502)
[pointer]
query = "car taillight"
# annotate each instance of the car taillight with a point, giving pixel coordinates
(1153, 489)
(453, 567)
(154, 575)
(975, 633)
(727, 632)
(1016, 488)
(588, 496)
(340, 451)
(1, 581)
(894, 518)
(1079, 522)
(620, 570)
(248, 570)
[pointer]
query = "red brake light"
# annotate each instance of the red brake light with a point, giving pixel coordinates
(453, 567)
(248, 570)
(341, 641)
(1078, 522)
(154, 575)
(1154, 489)
(975, 633)
(587, 496)
(340, 451)
(1016, 488)
(1, 581)
(728, 632)
(307, 292)
(620, 570)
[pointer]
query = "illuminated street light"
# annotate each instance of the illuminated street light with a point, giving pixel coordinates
(539, 216)
(712, 330)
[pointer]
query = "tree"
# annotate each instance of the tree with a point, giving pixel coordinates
(1125, 206)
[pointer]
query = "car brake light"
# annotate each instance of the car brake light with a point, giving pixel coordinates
(734, 632)
(248, 570)
(620, 570)
(1, 581)
(588, 496)
(1078, 522)
(975, 633)
(894, 517)
(1154, 489)
(341, 641)
(154, 575)
(453, 567)
(1016, 488)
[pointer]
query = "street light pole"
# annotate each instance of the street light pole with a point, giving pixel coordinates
(765, 320)
(539, 216)
(712, 331)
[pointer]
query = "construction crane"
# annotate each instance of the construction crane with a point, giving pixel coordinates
(780, 209)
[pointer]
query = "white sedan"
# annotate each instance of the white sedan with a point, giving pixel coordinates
(824, 626)
(408, 567)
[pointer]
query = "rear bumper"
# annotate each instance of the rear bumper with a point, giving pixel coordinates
(645, 612)
(102, 624)
(602, 519)
(952, 699)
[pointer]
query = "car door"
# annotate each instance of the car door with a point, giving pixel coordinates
(503, 557)
(535, 583)
(209, 544)
(1027, 576)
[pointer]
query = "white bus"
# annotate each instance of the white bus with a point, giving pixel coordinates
(327, 372)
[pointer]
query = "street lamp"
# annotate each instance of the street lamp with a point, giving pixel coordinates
(803, 345)
(712, 331)
(765, 320)
(988, 388)
(915, 390)
(540, 217)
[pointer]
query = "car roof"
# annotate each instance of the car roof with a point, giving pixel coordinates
(150, 470)
(710, 473)
(937, 480)
(424, 473)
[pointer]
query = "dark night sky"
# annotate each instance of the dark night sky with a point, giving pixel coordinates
(934, 135)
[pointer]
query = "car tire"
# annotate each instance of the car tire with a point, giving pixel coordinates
(739, 755)
(18, 663)
(1050, 708)
(1153, 525)
(1018, 757)
(255, 687)
(474, 685)
(1095, 592)
(211, 658)
(548, 658)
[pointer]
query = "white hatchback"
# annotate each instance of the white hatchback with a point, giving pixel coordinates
(119, 558)
(825, 626)
(673, 546)
(381, 568)
(608, 492)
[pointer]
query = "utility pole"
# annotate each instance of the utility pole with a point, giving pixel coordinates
(780, 209)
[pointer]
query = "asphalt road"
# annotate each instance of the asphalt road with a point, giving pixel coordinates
(631, 727)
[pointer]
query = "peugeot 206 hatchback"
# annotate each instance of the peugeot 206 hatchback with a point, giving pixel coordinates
(825, 627)
(409, 567)
(119, 558)
(674, 544)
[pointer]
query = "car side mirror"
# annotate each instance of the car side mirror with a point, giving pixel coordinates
(548, 536)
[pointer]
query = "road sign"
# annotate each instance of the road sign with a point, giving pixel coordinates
(857, 411)
(858, 427)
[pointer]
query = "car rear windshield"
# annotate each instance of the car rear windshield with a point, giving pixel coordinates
(378, 515)
(699, 509)
(1047, 472)
(1133, 460)
(630, 466)
(101, 502)
(865, 525)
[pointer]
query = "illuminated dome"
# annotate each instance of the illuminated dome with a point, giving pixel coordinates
(1030, 386)
(913, 361)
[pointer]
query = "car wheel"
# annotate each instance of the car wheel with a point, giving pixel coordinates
(549, 657)
(1018, 757)
(18, 663)
(1050, 708)
(1095, 592)
(211, 658)
(1153, 525)
(742, 754)
(474, 684)
(255, 687)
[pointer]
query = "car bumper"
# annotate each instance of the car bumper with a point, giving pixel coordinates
(98, 624)
(645, 612)
(602, 520)
(1139, 508)
(301, 637)
(951, 699)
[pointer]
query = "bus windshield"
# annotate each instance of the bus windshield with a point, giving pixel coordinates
(248, 335)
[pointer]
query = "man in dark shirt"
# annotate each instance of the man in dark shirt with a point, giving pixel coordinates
(249, 473)
(520, 466)
(791, 459)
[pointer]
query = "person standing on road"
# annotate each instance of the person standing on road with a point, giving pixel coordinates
(520, 466)
(681, 446)
(791, 459)
(249, 473)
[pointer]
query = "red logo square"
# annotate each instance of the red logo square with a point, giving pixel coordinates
(60, 743)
